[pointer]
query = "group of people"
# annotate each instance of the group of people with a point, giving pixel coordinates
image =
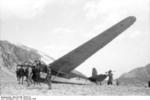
(32, 73)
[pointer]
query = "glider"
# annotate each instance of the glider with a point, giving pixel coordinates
(65, 65)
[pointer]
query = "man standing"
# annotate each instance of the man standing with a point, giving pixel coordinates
(36, 72)
(110, 78)
(20, 73)
(48, 78)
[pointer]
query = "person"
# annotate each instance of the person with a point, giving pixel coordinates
(29, 75)
(36, 71)
(149, 84)
(34, 75)
(110, 78)
(20, 73)
(48, 78)
(117, 82)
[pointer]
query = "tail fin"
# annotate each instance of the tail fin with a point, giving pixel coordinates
(94, 72)
(95, 77)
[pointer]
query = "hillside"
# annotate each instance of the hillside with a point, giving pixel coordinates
(11, 55)
(138, 76)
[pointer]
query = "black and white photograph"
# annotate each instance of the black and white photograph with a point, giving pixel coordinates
(74, 48)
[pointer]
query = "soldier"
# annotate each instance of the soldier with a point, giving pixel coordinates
(37, 71)
(29, 76)
(149, 84)
(20, 73)
(117, 82)
(110, 78)
(48, 78)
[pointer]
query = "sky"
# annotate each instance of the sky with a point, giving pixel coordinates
(56, 27)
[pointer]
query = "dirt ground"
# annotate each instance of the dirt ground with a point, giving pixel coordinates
(12, 88)
(9, 86)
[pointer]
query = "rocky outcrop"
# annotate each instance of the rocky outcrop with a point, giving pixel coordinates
(138, 76)
(11, 55)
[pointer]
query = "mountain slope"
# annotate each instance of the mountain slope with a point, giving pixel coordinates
(138, 76)
(11, 55)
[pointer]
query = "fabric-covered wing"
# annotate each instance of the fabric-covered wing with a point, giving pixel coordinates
(73, 59)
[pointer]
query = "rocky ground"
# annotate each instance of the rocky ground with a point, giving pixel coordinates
(12, 88)
(9, 86)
